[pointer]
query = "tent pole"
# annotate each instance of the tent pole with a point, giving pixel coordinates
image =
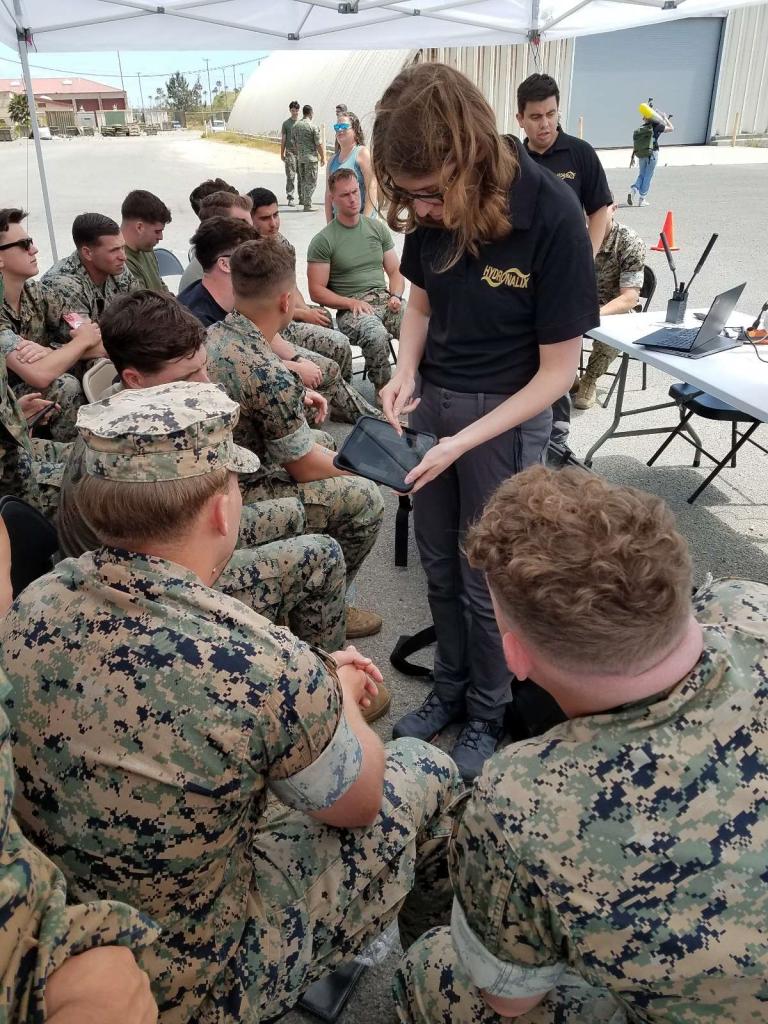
(23, 53)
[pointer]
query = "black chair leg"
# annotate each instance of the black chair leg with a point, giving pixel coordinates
(672, 435)
(724, 462)
(645, 376)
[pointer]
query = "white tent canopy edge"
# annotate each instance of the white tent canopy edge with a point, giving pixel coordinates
(83, 25)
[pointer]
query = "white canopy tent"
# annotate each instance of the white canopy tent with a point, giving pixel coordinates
(81, 25)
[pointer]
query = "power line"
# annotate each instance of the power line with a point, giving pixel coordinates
(108, 74)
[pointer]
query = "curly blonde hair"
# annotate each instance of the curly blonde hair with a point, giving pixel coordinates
(595, 576)
(432, 119)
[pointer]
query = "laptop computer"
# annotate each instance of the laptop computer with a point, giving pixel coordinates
(695, 342)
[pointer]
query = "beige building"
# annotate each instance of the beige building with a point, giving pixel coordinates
(59, 100)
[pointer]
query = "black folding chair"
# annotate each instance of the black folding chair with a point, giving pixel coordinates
(647, 293)
(34, 544)
(694, 402)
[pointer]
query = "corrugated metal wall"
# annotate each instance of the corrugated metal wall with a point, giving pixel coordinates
(498, 70)
(743, 80)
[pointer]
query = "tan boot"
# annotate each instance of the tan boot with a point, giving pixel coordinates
(586, 395)
(379, 705)
(362, 623)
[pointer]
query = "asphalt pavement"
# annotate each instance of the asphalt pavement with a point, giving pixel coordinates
(727, 528)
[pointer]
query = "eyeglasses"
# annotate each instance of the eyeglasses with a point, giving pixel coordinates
(21, 243)
(341, 127)
(403, 195)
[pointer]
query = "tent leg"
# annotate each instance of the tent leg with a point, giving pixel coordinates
(23, 47)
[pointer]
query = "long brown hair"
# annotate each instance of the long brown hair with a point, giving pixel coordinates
(354, 123)
(433, 119)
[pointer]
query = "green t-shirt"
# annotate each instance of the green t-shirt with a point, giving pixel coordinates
(290, 143)
(143, 266)
(355, 255)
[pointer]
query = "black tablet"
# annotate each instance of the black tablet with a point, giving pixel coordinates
(376, 451)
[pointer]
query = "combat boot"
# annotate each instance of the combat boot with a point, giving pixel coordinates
(586, 395)
(379, 705)
(362, 623)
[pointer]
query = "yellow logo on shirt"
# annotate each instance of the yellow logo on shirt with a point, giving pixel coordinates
(566, 175)
(513, 277)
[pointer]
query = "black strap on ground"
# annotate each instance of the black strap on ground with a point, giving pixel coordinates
(404, 507)
(408, 645)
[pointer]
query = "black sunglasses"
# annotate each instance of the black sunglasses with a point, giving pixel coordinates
(22, 243)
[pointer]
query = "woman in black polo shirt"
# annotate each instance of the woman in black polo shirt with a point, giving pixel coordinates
(502, 289)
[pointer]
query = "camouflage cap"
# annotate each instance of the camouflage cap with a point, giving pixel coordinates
(169, 432)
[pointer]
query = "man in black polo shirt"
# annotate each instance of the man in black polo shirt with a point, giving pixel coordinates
(210, 299)
(576, 164)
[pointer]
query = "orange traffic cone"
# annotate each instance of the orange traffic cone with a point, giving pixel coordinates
(669, 231)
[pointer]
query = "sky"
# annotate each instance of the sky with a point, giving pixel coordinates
(154, 67)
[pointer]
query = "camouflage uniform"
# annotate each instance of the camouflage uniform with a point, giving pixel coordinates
(619, 264)
(170, 712)
(69, 284)
(373, 333)
(278, 571)
(290, 159)
(345, 403)
(273, 424)
(324, 341)
(38, 931)
(29, 467)
(39, 320)
(622, 853)
(306, 137)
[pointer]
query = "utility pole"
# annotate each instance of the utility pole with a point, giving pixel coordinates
(224, 76)
(141, 94)
(120, 65)
(210, 94)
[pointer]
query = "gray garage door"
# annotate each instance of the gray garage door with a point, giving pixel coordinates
(673, 63)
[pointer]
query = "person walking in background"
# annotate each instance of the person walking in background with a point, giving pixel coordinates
(645, 146)
(352, 152)
(309, 151)
(288, 151)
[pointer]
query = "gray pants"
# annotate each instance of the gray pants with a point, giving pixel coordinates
(469, 661)
(561, 420)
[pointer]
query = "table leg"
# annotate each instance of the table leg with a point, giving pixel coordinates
(621, 377)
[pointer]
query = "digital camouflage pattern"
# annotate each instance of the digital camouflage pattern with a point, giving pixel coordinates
(39, 320)
(272, 424)
(306, 137)
(373, 333)
(627, 848)
(345, 404)
(619, 263)
(38, 931)
(162, 799)
(170, 432)
(323, 341)
(282, 575)
(30, 468)
(68, 283)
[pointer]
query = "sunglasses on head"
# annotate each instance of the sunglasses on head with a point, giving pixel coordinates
(21, 243)
(341, 127)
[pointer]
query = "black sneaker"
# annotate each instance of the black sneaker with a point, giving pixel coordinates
(474, 745)
(431, 718)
